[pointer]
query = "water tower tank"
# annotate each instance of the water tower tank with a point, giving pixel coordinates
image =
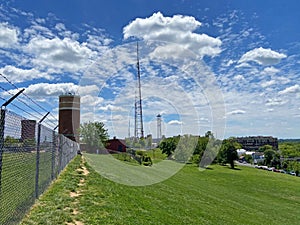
(69, 116)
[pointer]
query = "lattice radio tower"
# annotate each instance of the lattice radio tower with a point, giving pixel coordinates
(138, 111)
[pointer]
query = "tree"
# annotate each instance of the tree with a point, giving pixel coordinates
(265, 148)
(200, 149)
(276, 161)
(94, 135)
(209, 134)
(10, 141)
(269, 155)
(289, 150)
(168, 145)
(228, 152)
(201, 145)
(248, 158)
(294, 166)
(285, 165)
(185, 148)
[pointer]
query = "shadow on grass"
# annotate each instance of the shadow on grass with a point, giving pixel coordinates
(204, 168)
(209, 168)
(234, 168)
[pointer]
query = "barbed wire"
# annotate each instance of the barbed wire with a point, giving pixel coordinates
(21, 109)
(34, 102)
(33, 109)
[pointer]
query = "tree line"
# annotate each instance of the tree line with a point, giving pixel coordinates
(190, 148)
(226, 152)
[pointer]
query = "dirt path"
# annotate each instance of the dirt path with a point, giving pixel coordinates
(76, 194)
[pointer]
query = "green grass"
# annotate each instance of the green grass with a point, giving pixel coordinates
(217, 195)
(18, 186)
(18, 183)
(56, 205)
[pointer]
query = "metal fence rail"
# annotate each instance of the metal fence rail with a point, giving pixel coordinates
(31, 156)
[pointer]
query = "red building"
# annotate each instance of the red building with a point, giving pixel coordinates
(116, 145)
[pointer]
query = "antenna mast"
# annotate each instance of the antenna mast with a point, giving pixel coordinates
(138, 115)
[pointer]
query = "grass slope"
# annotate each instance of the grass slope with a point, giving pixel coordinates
(217, 195)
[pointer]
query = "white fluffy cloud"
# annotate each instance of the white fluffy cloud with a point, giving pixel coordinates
(268, 83)
(270, 70)
(262, 56)
(65, 54)
(275, 102)
(239, 77)
(89, 100)
(175, 122)
(110, 107)
(8, 36)
(177, 30)
(20, 75)
(46, 90)
(236, 112)
(293, 89)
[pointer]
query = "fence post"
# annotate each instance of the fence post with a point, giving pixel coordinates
(53, 154)
(37, 161)
(2, 124)
(54, 147)
(60, 152)
(38, 156)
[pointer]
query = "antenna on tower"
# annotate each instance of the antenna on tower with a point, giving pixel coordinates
(138, 114)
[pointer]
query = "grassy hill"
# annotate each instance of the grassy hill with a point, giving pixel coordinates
(217, 195)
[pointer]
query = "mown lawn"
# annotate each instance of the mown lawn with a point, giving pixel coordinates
(217, 195)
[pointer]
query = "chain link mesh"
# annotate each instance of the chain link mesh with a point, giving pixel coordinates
(31, 156)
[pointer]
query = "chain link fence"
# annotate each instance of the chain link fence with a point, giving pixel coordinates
(31, 156)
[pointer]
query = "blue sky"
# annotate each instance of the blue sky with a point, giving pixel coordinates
(227, 66)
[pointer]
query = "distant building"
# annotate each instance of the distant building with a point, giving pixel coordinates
(116, 145)
(156, 142)
(258, 157)
(28, 130)
(255, 142)
(241, 152)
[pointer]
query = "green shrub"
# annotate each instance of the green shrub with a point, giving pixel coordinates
(140, 152)
(147, 161)
(196, 159)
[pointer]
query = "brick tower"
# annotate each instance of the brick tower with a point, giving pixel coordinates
(28, 129)
(69, 116)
